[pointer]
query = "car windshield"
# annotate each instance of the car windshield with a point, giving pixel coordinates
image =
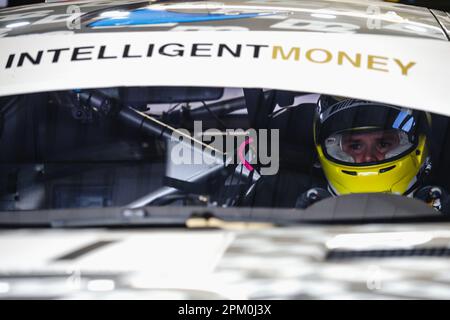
(216, 148)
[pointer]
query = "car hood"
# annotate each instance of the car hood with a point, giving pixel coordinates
(305, 262)
(345, 16)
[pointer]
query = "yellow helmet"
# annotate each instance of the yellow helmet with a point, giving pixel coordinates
(368, 147)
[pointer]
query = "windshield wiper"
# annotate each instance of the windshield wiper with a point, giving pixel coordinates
(194, 221)
(350, 209)
(173, 217)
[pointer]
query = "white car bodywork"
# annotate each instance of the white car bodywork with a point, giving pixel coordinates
(402, 60)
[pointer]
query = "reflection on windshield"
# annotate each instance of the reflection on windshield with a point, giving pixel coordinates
(213, 147)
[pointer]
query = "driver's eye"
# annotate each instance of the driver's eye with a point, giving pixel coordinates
(385, 144)
(355, 146)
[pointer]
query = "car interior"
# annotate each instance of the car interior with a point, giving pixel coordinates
(74, 149)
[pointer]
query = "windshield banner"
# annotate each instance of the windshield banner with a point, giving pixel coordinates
(401, 71)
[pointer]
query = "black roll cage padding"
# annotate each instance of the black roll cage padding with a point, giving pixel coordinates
(109, 107)
(259, 106)
(216, 110)
(9, 103)
(221, 108)
(2, 124)
(436, 136)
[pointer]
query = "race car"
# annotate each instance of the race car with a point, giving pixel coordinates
(230, 150)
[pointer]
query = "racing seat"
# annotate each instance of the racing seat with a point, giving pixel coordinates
(298, 172)
(440, 154)
(295, 125)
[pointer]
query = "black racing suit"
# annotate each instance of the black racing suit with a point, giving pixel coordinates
(295, 190)
(284, 190)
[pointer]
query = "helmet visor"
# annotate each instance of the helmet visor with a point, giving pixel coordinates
(361, 133)
(367, 146)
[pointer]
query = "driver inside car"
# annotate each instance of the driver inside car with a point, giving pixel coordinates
(365, 147)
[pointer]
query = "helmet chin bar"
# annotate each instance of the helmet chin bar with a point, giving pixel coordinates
(415, 184)
(331, 190)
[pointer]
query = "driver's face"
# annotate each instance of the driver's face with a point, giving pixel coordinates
(369, 146)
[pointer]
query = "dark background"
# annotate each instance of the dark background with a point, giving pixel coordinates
(437, 4)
